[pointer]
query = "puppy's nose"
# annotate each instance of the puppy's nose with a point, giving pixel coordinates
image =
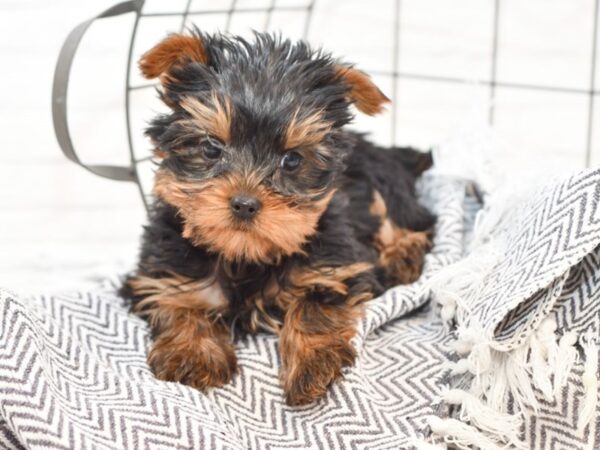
(245, 207)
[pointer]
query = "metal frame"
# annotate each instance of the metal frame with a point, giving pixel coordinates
(61, 77)
(60, 90)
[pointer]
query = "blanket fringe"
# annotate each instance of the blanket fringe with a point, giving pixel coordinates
(542, 358)
(468, 275)
(463, 436)
(567, 357)
(501, 427)
(590, 384)
(492, 373)
(544, 362)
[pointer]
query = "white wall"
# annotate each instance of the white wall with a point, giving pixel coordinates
(59, 225)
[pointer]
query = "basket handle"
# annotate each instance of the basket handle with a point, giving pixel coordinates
(61, 85)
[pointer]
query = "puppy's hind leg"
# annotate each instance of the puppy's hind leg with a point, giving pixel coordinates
(401, 251)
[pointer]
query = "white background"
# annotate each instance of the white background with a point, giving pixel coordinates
(61, 227)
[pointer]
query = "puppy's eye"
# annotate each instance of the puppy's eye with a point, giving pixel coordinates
(290, 161)
(211, 151)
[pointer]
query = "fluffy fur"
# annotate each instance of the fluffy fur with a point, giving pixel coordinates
(334, 220)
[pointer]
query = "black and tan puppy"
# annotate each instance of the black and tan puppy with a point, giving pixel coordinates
(268, 214)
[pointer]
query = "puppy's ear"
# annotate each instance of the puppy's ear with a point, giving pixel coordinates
(367, 97)
(174, 50)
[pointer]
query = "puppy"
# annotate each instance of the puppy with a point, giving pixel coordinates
(268, 214)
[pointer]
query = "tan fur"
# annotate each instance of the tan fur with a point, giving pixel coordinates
(279, 230)
(301, 282)
(315, 344)
(378, 207)
(401, 251)
(163, 296)
(214, 118)
(329, 277)
(158, 153)
(193, 350)
(193, 346)
(363, 93)
(174, 50)
(307, 131)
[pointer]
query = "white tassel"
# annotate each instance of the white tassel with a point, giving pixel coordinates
(447, 301)
(454, 285)
(469, 338)
(540, 372)
(462, 435)
(547, 337)
(590, 384)
(462, 347)
(509, 374)
(447, 313)
(460, 367)
(518, 381)
(495, 388)
(501, 426)
(481, 357)
(565, 360)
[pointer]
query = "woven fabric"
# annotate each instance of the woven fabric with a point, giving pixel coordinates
(528, 324)
(73, 370)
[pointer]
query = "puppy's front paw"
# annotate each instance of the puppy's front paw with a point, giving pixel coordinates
(201, 363)
(307, 375)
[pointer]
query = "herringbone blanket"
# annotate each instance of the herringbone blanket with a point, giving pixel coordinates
(506, 354)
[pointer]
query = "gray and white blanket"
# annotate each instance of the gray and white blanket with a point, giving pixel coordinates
(496, 346)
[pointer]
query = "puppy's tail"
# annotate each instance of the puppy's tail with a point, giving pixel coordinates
(415, 161)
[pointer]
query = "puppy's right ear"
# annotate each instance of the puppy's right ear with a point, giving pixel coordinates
(174, 50)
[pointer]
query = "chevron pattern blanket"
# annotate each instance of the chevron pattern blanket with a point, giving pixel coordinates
(495, 347)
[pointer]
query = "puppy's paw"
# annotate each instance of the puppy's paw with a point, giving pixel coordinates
(200, 364)
(403, 258)
(306, 377)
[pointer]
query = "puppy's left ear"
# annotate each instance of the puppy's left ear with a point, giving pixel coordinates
(174, 50)
(362, 92)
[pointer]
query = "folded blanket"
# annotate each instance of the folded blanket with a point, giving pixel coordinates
(507, 359)
(525, 304)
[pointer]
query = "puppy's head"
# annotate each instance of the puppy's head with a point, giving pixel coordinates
(252, 146)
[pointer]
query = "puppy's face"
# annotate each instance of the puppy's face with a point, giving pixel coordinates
(252, 146)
